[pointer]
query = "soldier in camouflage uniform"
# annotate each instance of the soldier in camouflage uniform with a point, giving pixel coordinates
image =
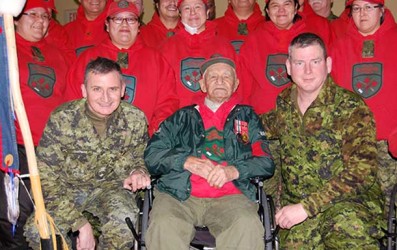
(88, 147)
(330, 195)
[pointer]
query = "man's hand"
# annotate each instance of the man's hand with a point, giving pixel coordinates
(290, 216)
(197, 166)
(85, 240)
(137, 180)
(220, 175)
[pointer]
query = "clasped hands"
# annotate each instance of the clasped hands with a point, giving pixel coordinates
(216, 175)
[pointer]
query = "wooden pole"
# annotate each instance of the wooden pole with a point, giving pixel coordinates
(40, 214)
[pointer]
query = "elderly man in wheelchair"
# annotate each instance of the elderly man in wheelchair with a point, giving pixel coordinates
(205, 155)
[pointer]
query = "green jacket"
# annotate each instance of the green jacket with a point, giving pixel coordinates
(182, 135)
(329, 154)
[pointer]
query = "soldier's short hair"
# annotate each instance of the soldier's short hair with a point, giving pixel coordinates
(101, 65)
(305, 40)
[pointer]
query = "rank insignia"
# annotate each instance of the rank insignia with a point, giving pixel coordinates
(170, 33)
(37, 55)
(122, 59)
(241, 131)
(242, 29)
(368, 49)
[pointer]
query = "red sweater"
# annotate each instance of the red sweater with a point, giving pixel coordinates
(264, 73)
(84, 33)
(339, 26)
(228, 26)
(150, 79)
(372, 77)
(186, 53)
(42, 76)
(155, 33)
(214, 123)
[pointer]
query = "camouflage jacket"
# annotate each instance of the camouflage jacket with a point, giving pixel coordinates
(328, 155)
(74, 161)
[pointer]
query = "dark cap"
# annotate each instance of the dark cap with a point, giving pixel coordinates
(216, 58)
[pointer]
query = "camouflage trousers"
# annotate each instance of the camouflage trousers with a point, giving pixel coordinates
(387, 172)
(105, 209)
(344, 226)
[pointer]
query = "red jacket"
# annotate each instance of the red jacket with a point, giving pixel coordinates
(230, 27)
(373, 77)
(155, 33)
(339, 26)
(42, 76)
(83, 33)
(264, 73)
(58, 37)
(150, 79)
(186, 53)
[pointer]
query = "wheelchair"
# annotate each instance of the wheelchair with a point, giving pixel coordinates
(203, 239)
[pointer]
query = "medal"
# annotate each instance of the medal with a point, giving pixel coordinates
(241, 131)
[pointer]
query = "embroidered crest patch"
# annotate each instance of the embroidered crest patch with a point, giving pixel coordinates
(190, 73)
(237, 45)
(130, 88)
(242, 29)
(82, 49)
(367, 79)
(41, 79)
(276, 71)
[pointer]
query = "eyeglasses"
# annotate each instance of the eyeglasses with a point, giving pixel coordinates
(35, 15)
(120, 20)
(366, 8)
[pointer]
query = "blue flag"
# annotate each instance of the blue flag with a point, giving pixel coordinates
(8, 147)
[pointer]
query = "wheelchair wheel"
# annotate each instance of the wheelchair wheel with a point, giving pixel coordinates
(392, 222)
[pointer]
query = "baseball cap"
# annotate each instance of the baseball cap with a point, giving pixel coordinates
(216, 58)
(350, 2)
(30, 4)
(122, 6)
(180, 2)
(51, 5)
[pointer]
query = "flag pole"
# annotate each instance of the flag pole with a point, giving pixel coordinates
(40, 212)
